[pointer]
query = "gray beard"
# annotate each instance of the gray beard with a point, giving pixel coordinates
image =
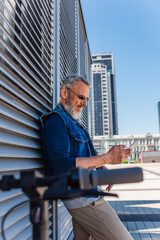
(70, 109)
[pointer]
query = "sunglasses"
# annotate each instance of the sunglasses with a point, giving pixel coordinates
(81, 97)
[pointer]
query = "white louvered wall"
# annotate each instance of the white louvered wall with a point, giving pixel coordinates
(41, 42)
(26, 81)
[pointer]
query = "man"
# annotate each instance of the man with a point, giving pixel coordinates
(66, 145)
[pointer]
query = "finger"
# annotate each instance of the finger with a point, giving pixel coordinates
(126, 151)
(120, 146)
(103, 168)
(109, 187)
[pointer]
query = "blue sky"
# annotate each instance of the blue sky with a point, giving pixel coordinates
(131, 31)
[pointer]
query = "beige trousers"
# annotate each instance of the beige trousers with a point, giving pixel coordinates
(98, 221)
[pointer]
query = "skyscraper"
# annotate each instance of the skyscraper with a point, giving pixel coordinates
(105, 106)
(101, 102)
(159, 114)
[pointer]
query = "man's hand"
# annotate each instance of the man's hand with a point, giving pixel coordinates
(114, 156)
(117, 154)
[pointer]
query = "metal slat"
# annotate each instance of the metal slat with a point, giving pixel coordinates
(16, 128)
(22, 63)
(26, 94)
(47, 12)
(44, 25)
(23, 34)
(6, 195)
(33, 2)
(18, 117)
(21, 213)
(23, 23)
(18, 140)
(25, 234)
(13, 200)
(23, 88)
(22, 52)
(14, 103)
(22, 98)
(18, 164)
(9, 151)
(15, 229)
(23, 76)
(65, 220)
(19, 28)
(33, 28)
(37, 13)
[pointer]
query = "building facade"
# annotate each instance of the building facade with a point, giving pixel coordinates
(148, 142)
(108, 92)
(101, 100)
(41, 42)
(150, 156)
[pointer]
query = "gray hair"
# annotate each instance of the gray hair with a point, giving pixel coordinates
(72, 79)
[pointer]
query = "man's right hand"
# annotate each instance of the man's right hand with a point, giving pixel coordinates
(114, 156)
(117, 154)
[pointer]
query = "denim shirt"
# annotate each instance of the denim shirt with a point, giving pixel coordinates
(63, 140)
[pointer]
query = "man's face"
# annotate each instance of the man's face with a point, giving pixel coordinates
(73, 104)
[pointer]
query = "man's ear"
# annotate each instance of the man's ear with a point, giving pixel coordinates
(64, 93)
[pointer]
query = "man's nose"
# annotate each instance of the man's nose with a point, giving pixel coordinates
(85, 102)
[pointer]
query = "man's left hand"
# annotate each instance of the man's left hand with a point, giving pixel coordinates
(109, 187)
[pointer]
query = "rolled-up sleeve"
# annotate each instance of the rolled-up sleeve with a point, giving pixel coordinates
(56, 145)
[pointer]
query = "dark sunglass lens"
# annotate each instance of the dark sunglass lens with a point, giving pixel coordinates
(81, 97)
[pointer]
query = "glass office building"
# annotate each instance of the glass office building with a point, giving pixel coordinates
(108, 92)
(101, 100)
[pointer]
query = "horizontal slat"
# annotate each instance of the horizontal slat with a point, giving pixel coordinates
(24, 76)
(23, 87)
(18, 140)
(30, 238)
(14, 103)
(65, 221)
(22, 213)
(6, 205)
(6, 195)
(32, 161)
(66, 230)
(16, 128)
(12, 115)
(30, 72)
(41, 26)
(24, 55)
(27, 73)
(10, 151)
(44, 33)
(46, 11)
(22, 97)
(38, 14)
(5, 7)
(17, 228)
(25, 234)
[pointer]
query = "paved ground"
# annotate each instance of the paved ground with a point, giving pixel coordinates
(138, 205)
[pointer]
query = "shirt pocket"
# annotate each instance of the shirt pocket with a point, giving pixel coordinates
(80, 137)
(79, 144)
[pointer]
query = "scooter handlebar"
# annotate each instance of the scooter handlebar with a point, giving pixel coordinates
(116, 176)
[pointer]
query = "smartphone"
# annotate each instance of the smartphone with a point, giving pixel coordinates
(133, 145)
